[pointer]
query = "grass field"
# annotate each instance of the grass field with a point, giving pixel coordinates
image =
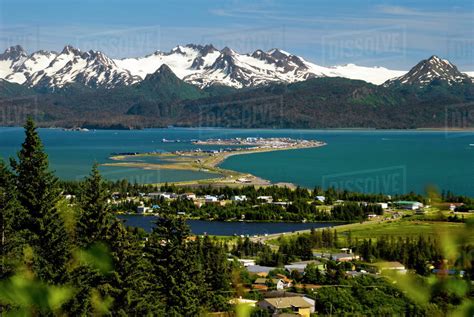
(396, 228)
(404, 228)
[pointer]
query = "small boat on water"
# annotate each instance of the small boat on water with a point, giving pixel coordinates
(170, 141)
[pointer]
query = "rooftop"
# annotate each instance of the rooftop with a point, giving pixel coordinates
(287, 302)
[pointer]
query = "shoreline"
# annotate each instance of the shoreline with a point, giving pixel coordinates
(337, 222)
(421, 129)
(191, 161)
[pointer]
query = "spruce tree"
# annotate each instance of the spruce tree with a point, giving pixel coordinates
(177, 273)
(38, 194)
(95, 217)
(11, 236)
(130, 284)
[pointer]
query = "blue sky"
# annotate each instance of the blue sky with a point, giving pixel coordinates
(395, 34)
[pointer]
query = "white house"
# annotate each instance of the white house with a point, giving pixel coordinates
(246, 262)
(321, 198)
(279, 283)
(210, 199)
(188, 196)
(143, 210)
(383, 205)
(165, 196)
(267, 199)
(238, 198)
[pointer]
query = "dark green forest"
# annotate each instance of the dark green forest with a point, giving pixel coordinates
(162, 99)
(80, 260)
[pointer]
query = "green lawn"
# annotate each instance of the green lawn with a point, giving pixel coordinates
(404, 228)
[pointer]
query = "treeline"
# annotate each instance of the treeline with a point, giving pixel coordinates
(124, 188)
(62, 259)
(296, 211)
(452, 197)
(415, 253)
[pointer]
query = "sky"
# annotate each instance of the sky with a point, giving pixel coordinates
(393, 34)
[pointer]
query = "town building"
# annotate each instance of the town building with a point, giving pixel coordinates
(143, 210)
(383, 205)
(297, 304)
(408, 205)
(238, 198)
(301, 266)
(390, 266)
(209, 199)
(266, 199)
(246, 262)
(321, 198)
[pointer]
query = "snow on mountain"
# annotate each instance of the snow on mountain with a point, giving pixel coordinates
(429, 70)
(92, 69)
(374, 75)
(10, 61)
(183, 60)
(205, 66)
(55, 70)
(201, 65)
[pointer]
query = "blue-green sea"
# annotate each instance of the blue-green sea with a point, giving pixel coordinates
(359, 160)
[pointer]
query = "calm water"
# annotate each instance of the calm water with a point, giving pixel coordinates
(222, 228)
(360, 160)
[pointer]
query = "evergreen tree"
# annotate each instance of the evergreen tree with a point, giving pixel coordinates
(12, 241)
(130, 284)
(38, 194)
(216, 274)
(95, 217)
(178, 276)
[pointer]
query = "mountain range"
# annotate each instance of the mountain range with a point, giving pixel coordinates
(199, 85)
(200, 65)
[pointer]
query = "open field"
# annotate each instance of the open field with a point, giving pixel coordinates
(403, 228)
(394, 228)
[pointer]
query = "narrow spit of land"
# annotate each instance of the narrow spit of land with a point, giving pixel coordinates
(209, 160)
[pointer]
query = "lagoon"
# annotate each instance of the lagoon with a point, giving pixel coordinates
(223, 228)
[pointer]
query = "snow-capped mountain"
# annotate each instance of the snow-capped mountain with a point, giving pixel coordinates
(206, 66)
(201, 65)
(429, 70)
(55, 70)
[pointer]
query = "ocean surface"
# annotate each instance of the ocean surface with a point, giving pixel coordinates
(223, 228)
(359, 160)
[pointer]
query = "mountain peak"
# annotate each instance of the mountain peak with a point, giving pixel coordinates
(227, 51)
(13, 52)
(164, 69)
(178, 49)
(164, 72)
(69, 49)
(427, 71)
(278, 53)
